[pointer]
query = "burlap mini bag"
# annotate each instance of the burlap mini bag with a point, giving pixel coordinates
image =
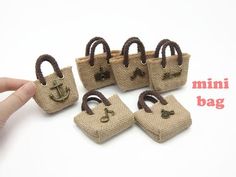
(110, 117)
(57, 90)
(164, 119)
(94, 70)
(168, 73)
(131, 71)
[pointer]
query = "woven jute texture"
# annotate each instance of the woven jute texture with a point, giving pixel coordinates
(123, 74)
(43, 92)
(99, 132)
(160, 129)
(87, 72)
(157, 72)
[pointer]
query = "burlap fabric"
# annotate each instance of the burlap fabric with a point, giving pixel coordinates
(120, 118)
(95, 70)
(168, 73)
(55, 92)
(161, 125)
(131, 71)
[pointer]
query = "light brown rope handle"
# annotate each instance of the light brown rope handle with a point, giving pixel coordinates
(54, 64)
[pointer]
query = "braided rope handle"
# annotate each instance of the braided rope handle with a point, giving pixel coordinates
(105, 45)
(140, 47)
(86, 98)
(54, 64)
(150, 95)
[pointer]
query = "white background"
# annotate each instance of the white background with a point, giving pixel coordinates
(36, 144)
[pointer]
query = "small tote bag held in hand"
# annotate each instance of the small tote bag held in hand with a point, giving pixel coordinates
(110, 117)
(164, 119)
(57, 90)
(168, 73)
(95, 70)
(131, 71)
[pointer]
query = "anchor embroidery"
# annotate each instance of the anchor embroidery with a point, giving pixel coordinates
(166, 114)
(63, 94)
(137, 72)
(102, 75)
(106, 118)
(167, 76)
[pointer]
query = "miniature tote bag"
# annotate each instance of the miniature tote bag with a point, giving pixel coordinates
(131, 71)
(95, 70)
(168, 73)
(165, 119)
(110, 117)
(57, 90)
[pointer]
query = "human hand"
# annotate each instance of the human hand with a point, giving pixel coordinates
(24, 90)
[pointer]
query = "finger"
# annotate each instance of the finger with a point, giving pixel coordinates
(10, 84)
(16, 100)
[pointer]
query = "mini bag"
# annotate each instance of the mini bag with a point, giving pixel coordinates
(57, 90)
(131, 71)
(168, 73)
(95, 70)
(110, 117)
(164, 119)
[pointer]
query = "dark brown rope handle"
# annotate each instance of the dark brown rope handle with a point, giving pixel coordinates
(126, 51)
(88, 46)
(99, 95)
(54, 64)
(143, 97)
(91, 99)
(105, 45)
(148, 98)
(178, 50)
(122, 50)
(160, 44)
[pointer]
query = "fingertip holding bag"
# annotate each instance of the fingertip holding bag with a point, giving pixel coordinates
(165, 119)
(131, 71)
(94, 70)
(110, 117)
(57, 90)
(168, 73)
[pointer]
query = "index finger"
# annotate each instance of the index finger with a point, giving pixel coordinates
(7, 84)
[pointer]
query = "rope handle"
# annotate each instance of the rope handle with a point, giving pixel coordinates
(95, 44)
(150, 95)
(87, 98)
(140, 47)
(178, 50)
(54, 64)
(160, 45)
(89, 44)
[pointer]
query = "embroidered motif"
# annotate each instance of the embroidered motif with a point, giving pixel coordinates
(106, 118)
(166, 114)
(169, 75)
(102, 75)
(137, 72)
(63, 94)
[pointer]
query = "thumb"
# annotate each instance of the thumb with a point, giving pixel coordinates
(15, 101)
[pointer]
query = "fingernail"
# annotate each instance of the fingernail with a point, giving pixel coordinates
(29, 88)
